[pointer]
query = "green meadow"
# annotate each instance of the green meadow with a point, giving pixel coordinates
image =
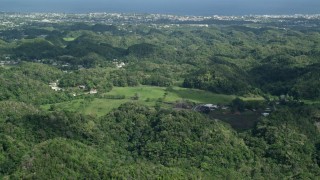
(147, 95)
(68, 39)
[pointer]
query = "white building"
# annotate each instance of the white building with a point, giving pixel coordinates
(93, 91)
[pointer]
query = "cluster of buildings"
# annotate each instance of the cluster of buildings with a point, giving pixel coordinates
(209, 107)
(118, 64)
(54, 86)
(206, 108)
(14, 20)
(3, 63)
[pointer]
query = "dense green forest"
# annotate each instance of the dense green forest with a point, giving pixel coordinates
(96, 101)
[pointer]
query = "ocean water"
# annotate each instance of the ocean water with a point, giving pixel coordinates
(181, 7)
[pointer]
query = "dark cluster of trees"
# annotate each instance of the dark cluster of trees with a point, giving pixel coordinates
(136, 141)
(29, 82)
(219, 79)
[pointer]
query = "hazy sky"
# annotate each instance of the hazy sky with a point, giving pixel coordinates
(189, 7)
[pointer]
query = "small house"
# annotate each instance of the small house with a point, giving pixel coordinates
(93, 91)
(53, 84)
(211, 106)
(82, 87)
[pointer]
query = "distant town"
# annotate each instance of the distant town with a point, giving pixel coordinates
(14, 20)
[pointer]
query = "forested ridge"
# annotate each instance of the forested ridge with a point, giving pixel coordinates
(96, 101)
(135, 141)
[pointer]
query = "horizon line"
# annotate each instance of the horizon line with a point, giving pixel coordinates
(146, 13)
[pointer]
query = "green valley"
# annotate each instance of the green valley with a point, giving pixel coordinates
(146, 95)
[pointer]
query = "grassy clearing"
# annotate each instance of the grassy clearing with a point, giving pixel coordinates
(69, 39)
(311, 102)
(199, 96)
(7, 67)
(176, 93)
(97, 107)
(144, 92)
(74, 105)
(100, 107)
(148, 95)
(253, 98)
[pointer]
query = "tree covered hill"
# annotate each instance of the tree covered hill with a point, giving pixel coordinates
(136, 141)
(245, 59)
